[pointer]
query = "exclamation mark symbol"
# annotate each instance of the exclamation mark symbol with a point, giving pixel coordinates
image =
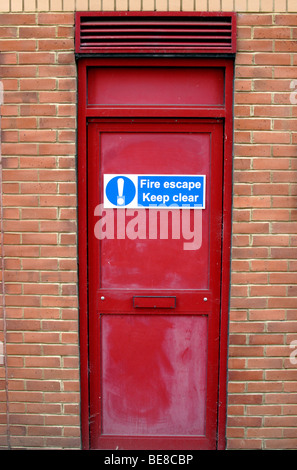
(120, 198)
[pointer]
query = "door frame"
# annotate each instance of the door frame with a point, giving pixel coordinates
(117, 301)
(85, 113)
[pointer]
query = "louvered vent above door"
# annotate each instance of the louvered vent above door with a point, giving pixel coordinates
(155, 33)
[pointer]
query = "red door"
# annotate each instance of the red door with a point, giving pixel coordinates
(154, 289)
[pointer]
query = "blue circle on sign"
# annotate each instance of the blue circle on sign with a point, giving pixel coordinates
(120, 191)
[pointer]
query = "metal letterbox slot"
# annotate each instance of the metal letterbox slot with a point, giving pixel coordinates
(154, 301)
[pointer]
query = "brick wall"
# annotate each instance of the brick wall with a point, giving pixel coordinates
(39, 367)
(41, 377)
(262, 410)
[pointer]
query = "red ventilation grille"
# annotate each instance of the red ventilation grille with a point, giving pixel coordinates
(128, 33)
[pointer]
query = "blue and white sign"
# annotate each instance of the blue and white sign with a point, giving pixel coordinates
(151, 191)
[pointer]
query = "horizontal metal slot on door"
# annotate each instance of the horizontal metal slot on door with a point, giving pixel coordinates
(154, 301)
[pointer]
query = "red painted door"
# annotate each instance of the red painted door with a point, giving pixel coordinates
(154, 289)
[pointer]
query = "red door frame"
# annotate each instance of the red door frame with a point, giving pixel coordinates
(85, 113)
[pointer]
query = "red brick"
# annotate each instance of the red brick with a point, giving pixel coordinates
(284, 227)
(8, 32)
(19, 123)
(286, 20)
(15, 45)
(39, 213)
(25, 300)
(39, 238)
(37, 136)
(57, 175)
(272, 111)
(38, 162)
(9, 136)
(266, 33)
(17, 19)
(9, 110)
(254, 19)
(28, 32)
(65, 31)
(37, 188)
(271, 137)
(273, 190)
(16, 200)
(18, 71)
(254, 72)
(27, 58)
(265, 432)
(52, 123)
(285, 46)
(57, 96)
(38, 110)
(281, 443)
(242, 111)
(8, 58)
(284, 72)
(251, 177)
(252, 98)
(66, 110)
(257, 45)
(252, 150)
(56, 18)
(54, 44)
(284, 202)
(242, 137)
(282, 302)
(283, 278)
(245, 399)
(38, 84)
(57, 71)
(252, 124)
(66, 58)
(67, 84)
(271, 85)
(271, 163)
(269, 265)
(253, 227)
(272, 214)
